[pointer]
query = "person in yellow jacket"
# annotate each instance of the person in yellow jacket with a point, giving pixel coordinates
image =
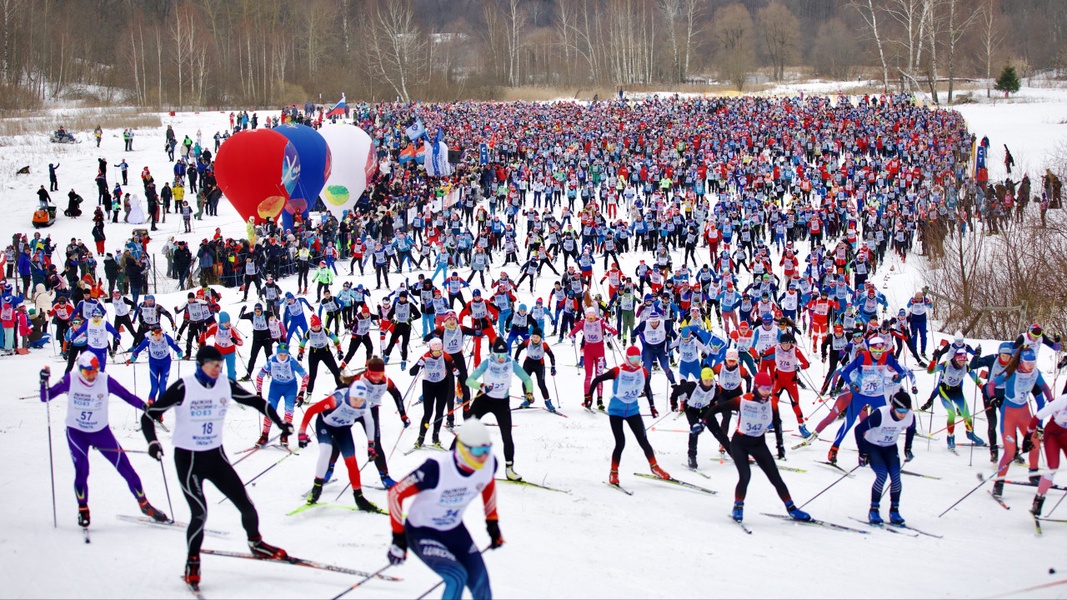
(324, 277)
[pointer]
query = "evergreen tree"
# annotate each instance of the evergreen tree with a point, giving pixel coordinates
(1007, 81)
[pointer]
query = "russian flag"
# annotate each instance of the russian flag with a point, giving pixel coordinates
(338, 109)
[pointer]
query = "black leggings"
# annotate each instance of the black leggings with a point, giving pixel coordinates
(355, 342)
(322, 355)
(260, 342)
(637, 425)
(483, 405)
(991, 414)
(402, 331)
(744, 446)
(536, 370)
(435, 396)
(211, 465)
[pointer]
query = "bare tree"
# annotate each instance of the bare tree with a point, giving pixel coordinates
(781, 34)
(835, 50)
(869, 12)
(671, 10)
(396, 47)
(733, 34)
(913, 18)
(962, 14)
(9, 15)
(515, 19)
(991, 38)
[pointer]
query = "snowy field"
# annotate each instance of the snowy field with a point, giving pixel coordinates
(664, 541)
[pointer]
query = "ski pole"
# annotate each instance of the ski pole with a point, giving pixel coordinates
(362, 581)
(51, 466)
(975, 489)
(166, 487)
(957, 422)
(837, 481)
(438, 584)
(974, 409)
(555, 388)
(262, 473)
(403, 400)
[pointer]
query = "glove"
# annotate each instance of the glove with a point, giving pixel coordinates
(155, 450)
(340, 355)
(1028, 443)
(45, 374)
(179, 354)
(925, 407)
(372, 452)
(495, 539)
(572, 339)
(300, 399)
(300, 355)
(863, 459)
(781, 452)
(655, 413)
(406, 420)
(914, 390)
(908, 455)
(478, 334)
(303, 440)
(398, 550)
(697, 428)
(552, 372)
(529, 397)
(287, 429)
(131, 360)
(413, 370)
(978, 350)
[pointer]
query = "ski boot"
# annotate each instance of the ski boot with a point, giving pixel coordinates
(386, 359)
(283, 441)
(803, 431)
(247, 377)
(549, 406)
(265, 551)
(796, 513)
(832, 455)
(403, 364)
(998, 489)
(509, 471)
(362, 503)
(1039, 502)
(387, 481)
(450, 423)
(436, 440)
(658, 471)
(994, 454)
(894, 515)
(316, 491)
(419, 442)
(951, 442)
(692, 461)
(83, 516)
(581, 362)
(526, 404)
(974, 438)
(152, 512)
(738, 513)
(1035, 479)
(613, 477)
(600, 404)
(192, 571)
(262, 441)
(1019, 460)
(873, 516)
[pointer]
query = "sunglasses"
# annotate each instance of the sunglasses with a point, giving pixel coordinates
(479, 450)
(901, 409)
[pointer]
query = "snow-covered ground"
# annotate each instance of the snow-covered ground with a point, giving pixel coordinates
(592, 542)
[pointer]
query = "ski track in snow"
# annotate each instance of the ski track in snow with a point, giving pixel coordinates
(662, 542)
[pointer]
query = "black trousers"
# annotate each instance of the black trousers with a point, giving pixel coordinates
(743, 446)
(211, 465)
(501, 409)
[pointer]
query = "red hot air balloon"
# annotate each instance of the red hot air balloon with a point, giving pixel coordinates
(256, 171)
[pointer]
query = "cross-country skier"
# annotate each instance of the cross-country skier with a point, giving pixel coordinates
(334, 417)
(876, 438)
(630, 381)
(283, 371)
(200, 401)
(494, 396)
(158, 345)
(88, 392)
(442, 488)
(755, 417)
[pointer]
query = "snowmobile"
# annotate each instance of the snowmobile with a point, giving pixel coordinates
(44, 217)
(60, 136)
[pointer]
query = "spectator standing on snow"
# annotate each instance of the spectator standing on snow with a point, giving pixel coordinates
(52, 181)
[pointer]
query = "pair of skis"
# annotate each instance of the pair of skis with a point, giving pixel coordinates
(671, 480)
(292, 560)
